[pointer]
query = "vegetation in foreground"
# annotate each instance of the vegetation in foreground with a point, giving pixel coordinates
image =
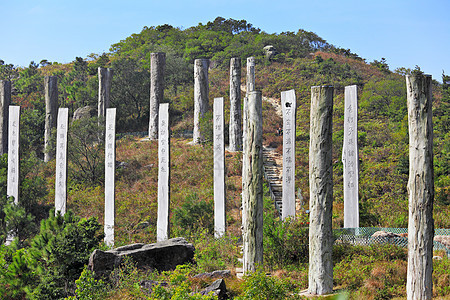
(50, 253)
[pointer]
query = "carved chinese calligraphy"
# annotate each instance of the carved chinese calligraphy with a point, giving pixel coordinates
(13, 153)
(219, 168)
(289, 105)
(162, 229)
(61, 161)
(350, 158)
(110, 168)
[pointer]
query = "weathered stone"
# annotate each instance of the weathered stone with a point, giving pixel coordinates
(5, 100)
(217, 288)
(270, 52)
(350, 158)
(110, 168)
(105, 76)
(51, 110)
(252, 192)
(235, 138)
(163, 224)
(61, 161)
(443, 239)
(84, 112)
(320, 276)
(161, 256)
(158, 62)
(419, 284)
(289, 106)
(214, 274)
(201, 96)
(385, 234)
(219, 168)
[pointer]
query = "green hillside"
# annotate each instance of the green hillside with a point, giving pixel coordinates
(40, 264)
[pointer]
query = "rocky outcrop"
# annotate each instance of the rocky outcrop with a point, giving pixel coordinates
(162, 256)
(443, 239)
(218, 288)
(385, 234)
(214, 274)
(84, 112)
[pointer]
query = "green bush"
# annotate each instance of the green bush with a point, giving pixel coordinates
(192, 215)
(259, 286)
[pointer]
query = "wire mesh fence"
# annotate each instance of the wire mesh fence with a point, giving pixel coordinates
(397, 236)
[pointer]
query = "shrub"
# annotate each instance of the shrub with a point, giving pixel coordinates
(192, 215)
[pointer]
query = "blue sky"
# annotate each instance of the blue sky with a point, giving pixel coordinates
(406, 33)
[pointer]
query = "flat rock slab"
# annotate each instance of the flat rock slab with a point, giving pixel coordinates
(162, 256)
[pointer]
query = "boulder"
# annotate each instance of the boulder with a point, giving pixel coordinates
(443, 239)
(218, 288)
(270, 52)
(84, 112)
(214, 274)
(161, 256)
(385, 234)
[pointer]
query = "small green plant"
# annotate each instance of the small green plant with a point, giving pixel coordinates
(88, 288)
(192, 215)
(259, 286)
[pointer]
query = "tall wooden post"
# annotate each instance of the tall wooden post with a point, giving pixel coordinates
(419, 284)
(158, 62)
(51, 111)
(252, 193)
(5, 100)
(321, 192)
(251, 85)
(201, 95)
(235, 105)
(105, 76)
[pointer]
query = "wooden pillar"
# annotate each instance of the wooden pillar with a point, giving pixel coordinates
(251, 86)
(252, 193)
(321, 192)
(201, 95)
(235, 143)
(419, 284)
(51, 111)
(5, 100)
(105, 76)
(158, 62)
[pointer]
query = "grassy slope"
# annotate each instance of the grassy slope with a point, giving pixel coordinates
(382, 146)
